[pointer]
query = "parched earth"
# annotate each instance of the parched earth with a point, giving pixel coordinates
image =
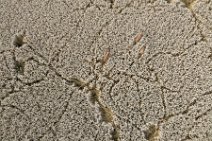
(106, 70)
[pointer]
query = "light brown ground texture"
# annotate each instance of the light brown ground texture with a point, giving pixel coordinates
(105, 70)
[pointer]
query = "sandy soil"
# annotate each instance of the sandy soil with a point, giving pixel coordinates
(105, 70)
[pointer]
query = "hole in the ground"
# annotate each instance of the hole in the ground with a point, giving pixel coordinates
(19, 66)
(18, 40)
(116, 134)
(153, 133)
(94, 96)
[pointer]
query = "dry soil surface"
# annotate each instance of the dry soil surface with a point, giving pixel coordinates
(105, 70)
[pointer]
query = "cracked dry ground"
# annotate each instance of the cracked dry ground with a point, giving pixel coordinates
(101, 70)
